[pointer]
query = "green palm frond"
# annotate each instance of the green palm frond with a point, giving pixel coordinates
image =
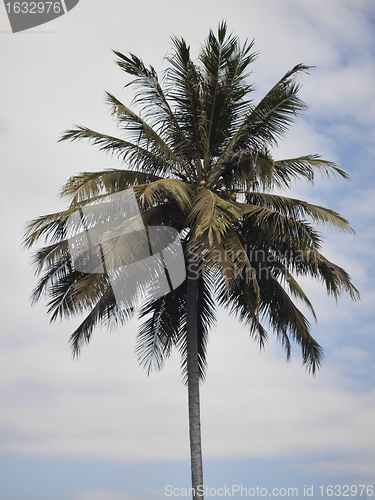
(149, 94)
(106, 312)
(266, 122)
(299, 210)
(336, 279)
(263, 227)
(136, 156)
(50, 255)
(279, 270)
(303, 167)
(162, 330)
(288, 321)
(70, 291)
(51, 226)
(144, 135)
(61, 296)
(224, 87)
(271, 118)
(87, 186)
(58, 267)
(183, 88)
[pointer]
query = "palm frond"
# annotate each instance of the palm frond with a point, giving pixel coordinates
(242, 302)
(278, 309)
(336, 279)
(162, 330)
(163, 190)
(87, 186)
(211, 214)
(299, 210)
(266, 122)
(145, 136)
(50, 255)
(271, 118)
(136, 156)
(107, 313)
(224, 87)
(303, 167)
(294, 287)
(183, 87)
(51, 226)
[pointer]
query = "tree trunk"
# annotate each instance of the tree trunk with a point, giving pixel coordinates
(193, 382)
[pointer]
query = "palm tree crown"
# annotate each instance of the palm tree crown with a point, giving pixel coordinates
(200, 161)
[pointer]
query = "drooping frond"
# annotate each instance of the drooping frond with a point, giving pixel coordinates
(163, 328)
(276, 308)
(335, 278)
(52, 227)
(212, 215)
(163, 190)
(106, 312)
(243, 303)
(288, 321)
(56, 266)
(281, 271)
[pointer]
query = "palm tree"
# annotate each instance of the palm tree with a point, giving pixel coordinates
(199, 161)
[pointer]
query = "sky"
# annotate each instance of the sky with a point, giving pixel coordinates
(99, 428)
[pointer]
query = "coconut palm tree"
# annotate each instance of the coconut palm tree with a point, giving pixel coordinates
(200, 161)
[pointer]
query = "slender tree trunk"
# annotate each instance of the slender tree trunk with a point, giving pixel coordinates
(193, 382)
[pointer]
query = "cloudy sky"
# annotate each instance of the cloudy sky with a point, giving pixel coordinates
(100, 429)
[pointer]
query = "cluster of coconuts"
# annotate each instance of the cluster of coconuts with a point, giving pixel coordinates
(232, 195)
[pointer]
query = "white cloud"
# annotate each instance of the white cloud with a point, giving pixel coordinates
(345, 91)
(253, 405)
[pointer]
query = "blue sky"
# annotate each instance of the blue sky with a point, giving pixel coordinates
(100, 429)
